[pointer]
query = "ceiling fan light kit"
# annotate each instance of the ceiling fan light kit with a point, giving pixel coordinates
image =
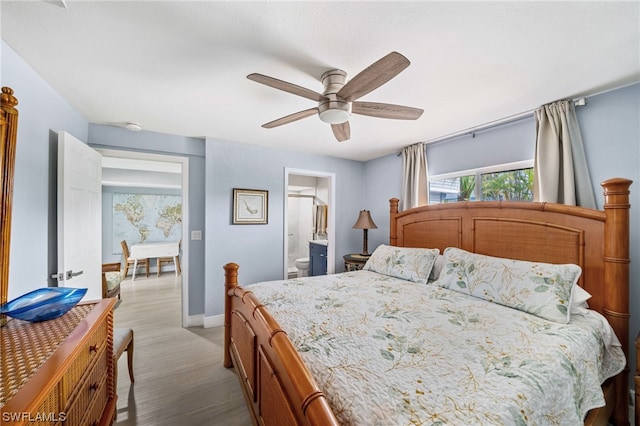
(334, 110)
(338, 100)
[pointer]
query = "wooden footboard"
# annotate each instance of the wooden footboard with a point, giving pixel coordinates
(277, 386)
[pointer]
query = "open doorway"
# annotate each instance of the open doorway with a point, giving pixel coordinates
(309, 215)
(166, 174)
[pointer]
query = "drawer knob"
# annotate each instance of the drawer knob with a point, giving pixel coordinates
(93, 348)
(93, 387)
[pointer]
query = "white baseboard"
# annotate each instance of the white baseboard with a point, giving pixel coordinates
(201, 321)
(214, 321)
(194, 321)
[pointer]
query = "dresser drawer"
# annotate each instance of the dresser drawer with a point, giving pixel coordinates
(91, 389)
(89, 351)
(48, 413)
(96, 411)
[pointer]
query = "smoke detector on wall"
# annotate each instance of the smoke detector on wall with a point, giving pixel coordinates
(134, 127)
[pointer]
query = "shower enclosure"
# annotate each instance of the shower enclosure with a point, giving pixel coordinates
(300, 227)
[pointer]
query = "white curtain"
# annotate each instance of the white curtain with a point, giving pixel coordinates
(415, 189)
(560, 169)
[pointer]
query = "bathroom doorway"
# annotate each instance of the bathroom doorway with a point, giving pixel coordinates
(309, 215)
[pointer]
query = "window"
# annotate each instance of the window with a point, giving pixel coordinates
(513, 182)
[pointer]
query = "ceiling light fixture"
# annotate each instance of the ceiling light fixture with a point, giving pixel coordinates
(134, 127)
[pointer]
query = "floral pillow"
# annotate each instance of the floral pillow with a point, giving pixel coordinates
(412, 264)
(541, 289)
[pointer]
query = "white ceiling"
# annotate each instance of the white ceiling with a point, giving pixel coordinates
(135, 172)
(180, 67)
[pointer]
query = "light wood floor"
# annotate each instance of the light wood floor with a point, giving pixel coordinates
(179, 377)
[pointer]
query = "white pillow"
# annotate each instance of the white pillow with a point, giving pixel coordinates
(437, 268)
(579, 298)
(413, 264)
(541, 289)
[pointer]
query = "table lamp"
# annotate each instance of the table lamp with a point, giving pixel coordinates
(365, 223)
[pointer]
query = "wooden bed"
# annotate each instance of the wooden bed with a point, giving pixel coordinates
(280, 390)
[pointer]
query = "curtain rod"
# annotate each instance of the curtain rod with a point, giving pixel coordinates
(495, 123)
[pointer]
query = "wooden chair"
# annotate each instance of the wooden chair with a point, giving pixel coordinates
(130, 262)
(169, 260)
(123, 342)
(111, 279)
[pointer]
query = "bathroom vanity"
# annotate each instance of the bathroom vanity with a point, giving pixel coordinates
(317, 258)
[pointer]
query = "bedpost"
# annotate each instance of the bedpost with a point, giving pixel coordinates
(616, 279)
(8, 139)
(230, 282)
(393, 214)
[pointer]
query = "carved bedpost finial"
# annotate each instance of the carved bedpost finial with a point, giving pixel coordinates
(231, 275)
(7, 99)
(230, 282)
(393, 205)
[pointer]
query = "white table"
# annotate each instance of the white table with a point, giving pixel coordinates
(151, 250)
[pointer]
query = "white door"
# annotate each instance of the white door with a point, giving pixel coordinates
(79, 216)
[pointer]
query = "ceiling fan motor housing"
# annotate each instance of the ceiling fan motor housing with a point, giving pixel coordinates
(334, 110)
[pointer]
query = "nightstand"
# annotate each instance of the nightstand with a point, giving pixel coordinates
(354, 261)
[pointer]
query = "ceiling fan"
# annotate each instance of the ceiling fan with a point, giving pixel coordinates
(339, 99)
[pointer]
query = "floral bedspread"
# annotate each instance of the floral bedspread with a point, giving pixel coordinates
(391, 352)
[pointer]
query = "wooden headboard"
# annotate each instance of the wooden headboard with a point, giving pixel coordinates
(597, 241)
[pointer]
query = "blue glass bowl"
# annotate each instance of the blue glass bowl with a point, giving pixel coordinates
(43, 304)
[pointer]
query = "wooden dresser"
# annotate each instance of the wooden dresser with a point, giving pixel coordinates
(59, 372)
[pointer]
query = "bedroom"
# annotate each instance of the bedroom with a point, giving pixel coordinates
(609, 124)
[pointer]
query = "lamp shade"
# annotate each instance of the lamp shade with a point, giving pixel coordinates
(364, 221)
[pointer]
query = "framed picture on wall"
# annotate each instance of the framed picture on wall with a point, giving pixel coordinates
(250, 206)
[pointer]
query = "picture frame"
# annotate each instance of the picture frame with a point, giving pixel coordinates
(250, 206)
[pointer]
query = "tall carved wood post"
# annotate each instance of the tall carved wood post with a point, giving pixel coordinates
(616, 269)
(393, 215)
(230, 283)
(8, 137)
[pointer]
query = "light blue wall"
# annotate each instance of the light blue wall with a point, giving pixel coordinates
(110, 137)
(42, 113)
(259, 249)
(610, 127)
(107, 216)
(383, 178)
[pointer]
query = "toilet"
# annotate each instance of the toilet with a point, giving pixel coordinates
(303, 266)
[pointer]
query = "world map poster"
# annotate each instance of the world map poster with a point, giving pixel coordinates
(146, 218)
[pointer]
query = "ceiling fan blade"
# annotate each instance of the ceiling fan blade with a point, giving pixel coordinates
(287, 87)
(291, 118)
(374, 76)
(342, 131)
(376, 109)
